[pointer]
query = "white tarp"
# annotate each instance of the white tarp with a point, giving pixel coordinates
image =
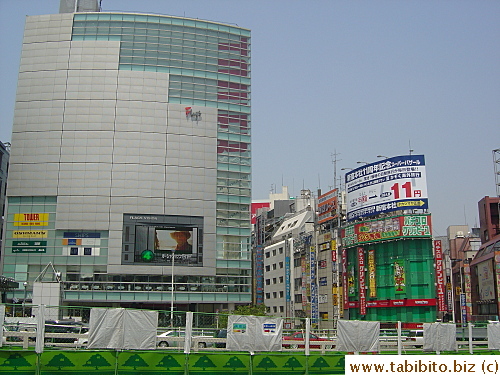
(440, 337)
(493, 330)
(254, 333)
(188, 339)
(358, 336)
(122, 329)
(40, 329)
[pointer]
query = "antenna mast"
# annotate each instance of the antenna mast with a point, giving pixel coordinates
(334, 162)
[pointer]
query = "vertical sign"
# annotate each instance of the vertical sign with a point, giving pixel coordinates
(468, 292)
(314, 288)
(288, 297)
(463, 309)
(259, 275)
(335, 280)
(371, 274)
(497, 273)
(440, 287)
(399, 276)
(303, 272)
(362, 281)
(345, 291)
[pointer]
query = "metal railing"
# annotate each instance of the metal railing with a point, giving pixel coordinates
(67, 327)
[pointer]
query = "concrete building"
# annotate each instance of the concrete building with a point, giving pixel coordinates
(489, 218)
(131, 160)
(284, 235)
(4, 168)
(463, 246)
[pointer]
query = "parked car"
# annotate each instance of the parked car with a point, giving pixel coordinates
(479, 333)
(164, 340)
(64, 326)
(222, 334)
(300, 336)
(11, 339)
(415, 338)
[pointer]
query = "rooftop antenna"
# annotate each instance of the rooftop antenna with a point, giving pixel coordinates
(409, 146)
(334, 162)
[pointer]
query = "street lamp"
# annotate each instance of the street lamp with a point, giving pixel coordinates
(25, 284)
(362, 162)
(382, 156)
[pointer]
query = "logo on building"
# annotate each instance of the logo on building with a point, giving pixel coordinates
(193, 116)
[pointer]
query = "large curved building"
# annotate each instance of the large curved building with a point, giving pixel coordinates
(131, 146)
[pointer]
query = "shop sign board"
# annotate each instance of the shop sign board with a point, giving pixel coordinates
(397, 183)
(388, 228)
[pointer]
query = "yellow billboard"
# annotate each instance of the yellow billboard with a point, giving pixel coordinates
(31, 220)
(30, 234)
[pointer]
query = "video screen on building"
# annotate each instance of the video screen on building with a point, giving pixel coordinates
(157, 239)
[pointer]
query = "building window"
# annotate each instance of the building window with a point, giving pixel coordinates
(274, 280)
(268, 268)
(298, 298)
(87, 251)
(275, 294)
(274, 266)
(282, 309)
(73, 251)
(274, 252)
(275, 308)
(281, 279)
(281, 264)
(281, 250)
(268, 254)
(268, 282)
(268, 295)
(281, 294)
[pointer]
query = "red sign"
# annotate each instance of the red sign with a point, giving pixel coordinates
(345, 288)
(362, 281)
(256, 206)
(327, 206)
(440, 284)
(396, 303)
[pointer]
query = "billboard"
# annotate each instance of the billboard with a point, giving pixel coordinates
(388, 228)
(327, 206)
(31, 220)
(362, 281)
(156, 239)
(397, 183)
(486, 280)
(255, 206)
(440, 286)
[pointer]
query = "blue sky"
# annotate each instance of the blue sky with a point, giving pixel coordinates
(356, 78)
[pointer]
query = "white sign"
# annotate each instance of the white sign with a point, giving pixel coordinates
(393, 184)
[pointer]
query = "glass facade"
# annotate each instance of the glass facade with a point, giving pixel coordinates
(87, 177)
(209, 65)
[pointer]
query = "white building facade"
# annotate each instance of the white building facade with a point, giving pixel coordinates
(130, 152)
